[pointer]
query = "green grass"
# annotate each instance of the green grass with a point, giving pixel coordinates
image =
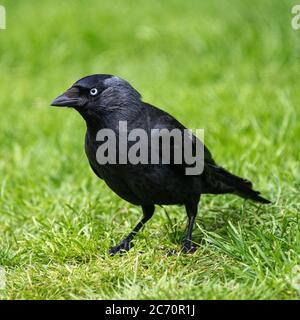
(230, 67)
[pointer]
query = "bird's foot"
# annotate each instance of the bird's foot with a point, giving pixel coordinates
(124, 246)
(171, 252)
(188, 248)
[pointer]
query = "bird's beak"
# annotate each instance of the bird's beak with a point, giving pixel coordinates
(70, 98)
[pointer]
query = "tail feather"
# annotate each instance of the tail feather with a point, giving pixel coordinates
(239, 186)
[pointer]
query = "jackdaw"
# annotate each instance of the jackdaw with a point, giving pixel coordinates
(103, 101)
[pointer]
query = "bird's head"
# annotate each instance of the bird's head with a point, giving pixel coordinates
(96, 93)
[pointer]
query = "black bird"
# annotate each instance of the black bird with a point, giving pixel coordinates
(104, 100)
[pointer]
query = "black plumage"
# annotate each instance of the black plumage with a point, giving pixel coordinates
(105, 100)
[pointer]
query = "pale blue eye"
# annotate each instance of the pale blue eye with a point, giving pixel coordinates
(93, 91)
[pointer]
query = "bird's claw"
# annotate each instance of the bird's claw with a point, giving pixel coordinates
(123, 247)
(188, 249)
(171, 252)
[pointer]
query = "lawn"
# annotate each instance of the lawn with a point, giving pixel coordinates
(230, 67)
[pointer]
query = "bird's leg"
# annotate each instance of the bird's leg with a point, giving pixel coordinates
(191, 210)
(125, 244)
